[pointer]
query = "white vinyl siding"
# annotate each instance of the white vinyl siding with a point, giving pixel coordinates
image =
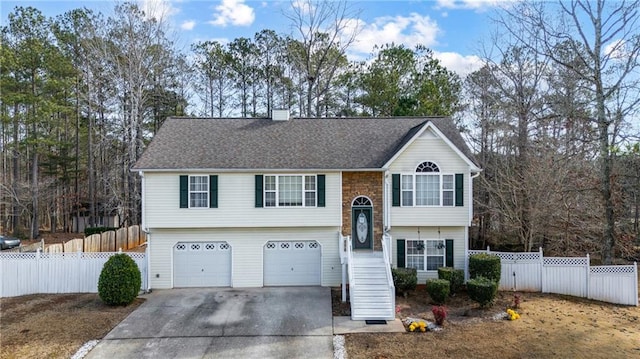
(236, 205)
(247, 251)
(437, 151)
(458, 234)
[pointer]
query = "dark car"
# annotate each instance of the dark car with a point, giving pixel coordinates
(8, 242)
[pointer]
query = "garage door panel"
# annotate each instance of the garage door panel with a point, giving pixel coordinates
(292, 263)
(202, 264)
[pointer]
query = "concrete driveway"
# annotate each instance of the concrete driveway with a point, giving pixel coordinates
(291, 322)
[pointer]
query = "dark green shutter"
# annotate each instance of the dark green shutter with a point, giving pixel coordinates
(213, 191)
(401, 260)
(321, 190)
(395, 188)
(259, 194)
(449, 252)
(459, 190)
(184, 191)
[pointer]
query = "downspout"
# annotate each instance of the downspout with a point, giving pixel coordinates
(143, 226)
(466, 240)
(386, 219)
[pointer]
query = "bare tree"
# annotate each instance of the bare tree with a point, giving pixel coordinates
(606, 37)
(326, 29)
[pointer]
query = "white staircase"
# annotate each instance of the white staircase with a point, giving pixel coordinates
(371, 290)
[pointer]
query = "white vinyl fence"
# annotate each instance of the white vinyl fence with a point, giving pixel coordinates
(34, 273)
(532, 272)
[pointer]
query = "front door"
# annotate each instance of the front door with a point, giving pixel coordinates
(362, 227)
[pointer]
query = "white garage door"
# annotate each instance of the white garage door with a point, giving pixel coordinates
(202, 264)
(292, 263)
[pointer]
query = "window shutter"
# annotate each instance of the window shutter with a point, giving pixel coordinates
(448, 253)
(321, 190)
(459, 190)
(184, 191)
(400, 254)
(213, 191)
(259, 191)
(395, 188)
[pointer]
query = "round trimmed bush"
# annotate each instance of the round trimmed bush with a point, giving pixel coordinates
(454, 276)
(484, 265)
(404, 279)
(438, 289)
(482, 290)
(120, 280)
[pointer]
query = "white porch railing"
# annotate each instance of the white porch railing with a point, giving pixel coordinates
(386, 253)
(352, 282)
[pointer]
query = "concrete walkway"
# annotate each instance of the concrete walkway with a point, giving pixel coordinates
(292, 322)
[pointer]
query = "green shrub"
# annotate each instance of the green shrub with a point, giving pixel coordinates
(454, 276)
(404, 279)
(438, 289)
(97, 230)
(484, 265)
(120, 280)
(482, 290)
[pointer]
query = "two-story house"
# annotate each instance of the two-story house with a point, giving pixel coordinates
(275, 202)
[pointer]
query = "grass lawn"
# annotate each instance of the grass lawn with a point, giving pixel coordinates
(551, 326)
(55, 325)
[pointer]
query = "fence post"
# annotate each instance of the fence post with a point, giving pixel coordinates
(541, 271)
(39, 271)
(488, 249)
(588, 276)
(635, 270)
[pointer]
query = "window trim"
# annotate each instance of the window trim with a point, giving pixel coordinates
(413, 191)
(189, 192)
(425, 255)
(303, 191)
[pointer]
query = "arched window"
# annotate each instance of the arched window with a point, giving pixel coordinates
(427, 187)
(427, 166)
(361, 201)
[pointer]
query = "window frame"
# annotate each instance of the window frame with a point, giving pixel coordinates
(276, 190)
(426, 254)
(435, 172)
(207, 192)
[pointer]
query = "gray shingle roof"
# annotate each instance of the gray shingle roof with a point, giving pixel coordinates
(325, 143)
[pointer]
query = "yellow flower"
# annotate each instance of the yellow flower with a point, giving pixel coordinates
(423, 329)
(423, 325)
(411, 328)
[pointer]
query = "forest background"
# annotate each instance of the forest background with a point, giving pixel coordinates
(551, 115)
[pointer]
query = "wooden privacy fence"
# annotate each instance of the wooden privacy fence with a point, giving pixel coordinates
(109, 241)
(34, 273)
(532, 272)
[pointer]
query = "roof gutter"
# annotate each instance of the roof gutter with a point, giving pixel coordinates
(261, 170)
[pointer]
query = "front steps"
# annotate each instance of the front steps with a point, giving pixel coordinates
(370, 295)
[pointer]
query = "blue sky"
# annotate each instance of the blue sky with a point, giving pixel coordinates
(452, 28)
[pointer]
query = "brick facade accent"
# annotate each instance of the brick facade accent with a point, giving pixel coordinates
(369, 184)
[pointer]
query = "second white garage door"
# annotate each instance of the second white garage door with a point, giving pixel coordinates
(292, 263)
(202, 264)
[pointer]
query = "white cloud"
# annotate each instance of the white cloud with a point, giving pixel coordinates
(188, 25)
(460, 64)
(233, 12)
(468, 4)
(158, 9)
(409, 30)
(304, 6)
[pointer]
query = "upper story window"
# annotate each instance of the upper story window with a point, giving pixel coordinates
(290, 190)
(427, 187)
(198, 191)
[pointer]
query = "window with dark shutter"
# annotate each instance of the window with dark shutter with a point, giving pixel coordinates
(184, 191)
(213, 191)
(459, 190)
(259, 184)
